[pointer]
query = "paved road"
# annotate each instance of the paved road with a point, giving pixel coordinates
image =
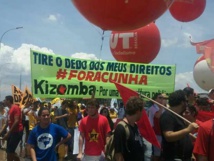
(3, 154)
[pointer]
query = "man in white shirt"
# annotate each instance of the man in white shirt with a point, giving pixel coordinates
(155, 111)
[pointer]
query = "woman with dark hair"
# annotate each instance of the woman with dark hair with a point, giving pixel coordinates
(203, 104)
(190, 113)
(45, 138)
(105, 112)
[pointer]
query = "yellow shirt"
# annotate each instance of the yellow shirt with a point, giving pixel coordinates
(72, 119)
(32, 119)
(53, 120)
(113, 114)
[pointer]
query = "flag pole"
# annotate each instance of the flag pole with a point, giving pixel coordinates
(122, 90)
(194, 137)
(166, 108)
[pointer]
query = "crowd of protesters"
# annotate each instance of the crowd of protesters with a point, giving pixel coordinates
(182, 122)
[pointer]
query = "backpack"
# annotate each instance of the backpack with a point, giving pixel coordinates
(109, 147)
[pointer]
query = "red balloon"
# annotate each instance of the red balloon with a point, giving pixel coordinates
(187, 10)
(139, 46)
(121, 15)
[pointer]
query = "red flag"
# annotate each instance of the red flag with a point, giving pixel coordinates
(144, 125)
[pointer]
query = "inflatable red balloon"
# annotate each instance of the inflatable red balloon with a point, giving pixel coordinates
(139, 46)
(121, 15)
(187, 10)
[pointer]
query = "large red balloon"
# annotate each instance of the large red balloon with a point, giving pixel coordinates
(121, 15)
(187, 10)
(140, 46)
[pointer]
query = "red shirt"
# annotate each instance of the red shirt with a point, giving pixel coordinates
(205, 140)
(15, 111)
(156, 126)
(95, 131)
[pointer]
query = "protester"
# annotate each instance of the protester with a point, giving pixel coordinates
(105, 112)
(45, 138)
(211, 98)
(94, 131)
(155, 111)
(72, 123)
(115, 106)
(203, 104)
(176, 142)
(121, 111)
(190, 113)
(53, 114)
(32, 115)
(211, 94)
(61, 119)
(14, 135)
(25, 119)
(190, 95)
(165, 100)
(2, 122)
(83, 110)
(204, 144)
(113, 113)
(134, 150)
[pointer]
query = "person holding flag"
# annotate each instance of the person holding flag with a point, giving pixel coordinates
(176, 142)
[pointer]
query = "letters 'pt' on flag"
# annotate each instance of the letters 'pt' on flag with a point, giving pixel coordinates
(143, 124)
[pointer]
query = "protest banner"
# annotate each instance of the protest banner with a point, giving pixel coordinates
(27, 97)
(17, 94)
(65, 77)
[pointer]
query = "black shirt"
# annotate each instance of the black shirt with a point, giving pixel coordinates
(134, 149)
(62, 121)
(182, 148)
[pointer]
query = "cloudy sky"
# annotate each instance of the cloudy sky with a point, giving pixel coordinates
(57, 27)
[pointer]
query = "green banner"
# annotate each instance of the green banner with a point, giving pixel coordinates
(65, 77)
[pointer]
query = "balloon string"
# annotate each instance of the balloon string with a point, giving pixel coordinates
(101, 46)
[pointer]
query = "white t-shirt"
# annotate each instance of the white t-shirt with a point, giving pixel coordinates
(3, 118)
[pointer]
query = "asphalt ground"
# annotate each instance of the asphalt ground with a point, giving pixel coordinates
(21, 154)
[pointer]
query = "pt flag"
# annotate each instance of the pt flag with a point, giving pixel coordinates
(143, 124)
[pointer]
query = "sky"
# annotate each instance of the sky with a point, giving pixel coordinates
(55, 26)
